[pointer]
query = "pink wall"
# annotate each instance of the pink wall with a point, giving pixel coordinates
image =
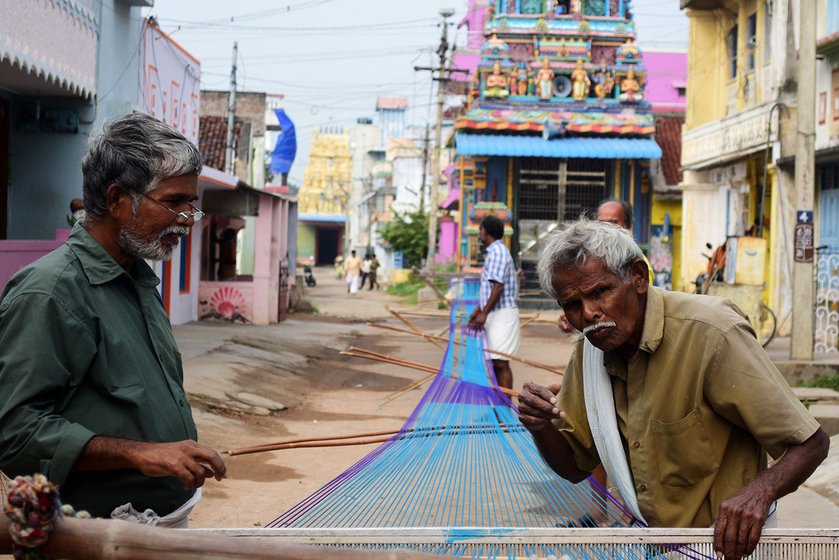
(17, 253)
(665, 71)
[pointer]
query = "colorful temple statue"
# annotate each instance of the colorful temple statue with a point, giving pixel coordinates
(545, 80)
(496, 84)
(581, 82)
(630, 88)
(561, 87)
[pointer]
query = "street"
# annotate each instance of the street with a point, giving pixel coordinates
(250, 385)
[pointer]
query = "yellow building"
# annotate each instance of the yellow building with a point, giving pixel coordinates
(737, 136)
(323, 198)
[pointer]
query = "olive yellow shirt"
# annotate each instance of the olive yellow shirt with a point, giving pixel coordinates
(696, 407)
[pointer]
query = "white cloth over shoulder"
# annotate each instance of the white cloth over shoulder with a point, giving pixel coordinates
(503, 331)
(600, 410)
(178, 519)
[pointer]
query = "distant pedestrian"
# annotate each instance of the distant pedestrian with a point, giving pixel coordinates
(352, 267)
(365, 271)
(77, 212)
(374, 267)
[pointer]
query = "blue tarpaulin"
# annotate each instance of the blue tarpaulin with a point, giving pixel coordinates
(283, 155)
(536, 146)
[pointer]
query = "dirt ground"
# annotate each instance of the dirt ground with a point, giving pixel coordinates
(253, 385)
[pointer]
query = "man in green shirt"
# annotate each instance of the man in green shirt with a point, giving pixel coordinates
(90, 374)
(671, 392)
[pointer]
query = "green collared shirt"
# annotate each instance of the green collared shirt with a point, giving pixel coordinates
(87, 349)
(696, 407)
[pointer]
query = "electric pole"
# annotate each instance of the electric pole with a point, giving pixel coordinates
(230, 156)
(441, 79)
(801, 345)
(425, 141)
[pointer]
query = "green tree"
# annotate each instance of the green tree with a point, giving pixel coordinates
(408, 232)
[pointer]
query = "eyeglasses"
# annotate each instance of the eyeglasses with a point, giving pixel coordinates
(196, 214)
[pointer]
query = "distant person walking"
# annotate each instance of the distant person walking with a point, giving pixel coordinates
(374, 267)
(352, 267)
(365, 271)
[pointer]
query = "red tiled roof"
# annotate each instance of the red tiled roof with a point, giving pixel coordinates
(394, 103)
(212, 140)
(668, 135)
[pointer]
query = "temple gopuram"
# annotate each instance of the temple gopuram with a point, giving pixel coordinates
(556, 120)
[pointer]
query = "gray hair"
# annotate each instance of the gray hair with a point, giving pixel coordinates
(136, 152)
(584, 239)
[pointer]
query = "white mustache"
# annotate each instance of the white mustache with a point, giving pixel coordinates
(600, 325)
(180, 231)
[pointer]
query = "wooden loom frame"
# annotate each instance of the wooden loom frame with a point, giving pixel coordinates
(775, 544)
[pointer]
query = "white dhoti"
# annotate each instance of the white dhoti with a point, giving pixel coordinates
(178, 519)
(503, 331)
(352, 283)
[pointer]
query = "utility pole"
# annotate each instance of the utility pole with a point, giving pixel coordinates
(801, 347)
(425, 142)
(441, 79)
(230, 157)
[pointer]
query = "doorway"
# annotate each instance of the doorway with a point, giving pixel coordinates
(328, 242)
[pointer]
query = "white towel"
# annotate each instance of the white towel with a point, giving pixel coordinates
(178, 519)
(600, 409)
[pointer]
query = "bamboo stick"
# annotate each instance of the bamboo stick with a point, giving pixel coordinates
(332, 443)
(233, 452)
(362, 353)
(412, 326)
(407, 389)
(530, 320)
(82, 539)
(560, 370)
(446, 314)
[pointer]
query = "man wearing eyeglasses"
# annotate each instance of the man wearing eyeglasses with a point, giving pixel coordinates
(91, 378)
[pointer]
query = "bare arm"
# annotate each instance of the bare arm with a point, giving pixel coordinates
(187, 460)
(537, 407)
(741, 517)
(479, 316)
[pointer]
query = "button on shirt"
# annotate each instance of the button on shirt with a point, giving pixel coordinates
(499, 267)
(699, 402)
(87, 349)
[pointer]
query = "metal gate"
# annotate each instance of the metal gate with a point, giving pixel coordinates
(552, 191)
(826, 269)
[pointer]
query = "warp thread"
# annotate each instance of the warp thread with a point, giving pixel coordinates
(32, 506)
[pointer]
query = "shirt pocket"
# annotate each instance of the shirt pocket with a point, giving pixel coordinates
(684, 450)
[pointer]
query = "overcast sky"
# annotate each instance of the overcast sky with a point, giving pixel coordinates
(331, 59)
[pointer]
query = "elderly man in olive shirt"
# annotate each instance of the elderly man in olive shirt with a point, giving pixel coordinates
(91, 378)
(671, 392)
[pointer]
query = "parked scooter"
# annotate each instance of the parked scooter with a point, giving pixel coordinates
(309, 277)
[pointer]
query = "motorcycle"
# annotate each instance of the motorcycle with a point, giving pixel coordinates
(309, 277)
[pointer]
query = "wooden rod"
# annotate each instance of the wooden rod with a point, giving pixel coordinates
(362, 353)
(332, 443)
(409, 388)
(82, 539)
(412, 326)
(560, 370)
(314, 439)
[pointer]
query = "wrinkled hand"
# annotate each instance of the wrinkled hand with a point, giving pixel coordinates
(538, 406)
(188, 460)
(477, 319)
(564, 325)
(740, 522)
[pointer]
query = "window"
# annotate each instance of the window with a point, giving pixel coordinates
(751, 41)
(731, 43)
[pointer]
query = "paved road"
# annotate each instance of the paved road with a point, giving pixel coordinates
(250, 385)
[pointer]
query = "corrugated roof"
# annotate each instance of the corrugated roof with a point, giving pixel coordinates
(212, 140)
(536, 146)
(668, 135)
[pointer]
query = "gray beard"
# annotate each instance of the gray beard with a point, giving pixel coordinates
(133, 244)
